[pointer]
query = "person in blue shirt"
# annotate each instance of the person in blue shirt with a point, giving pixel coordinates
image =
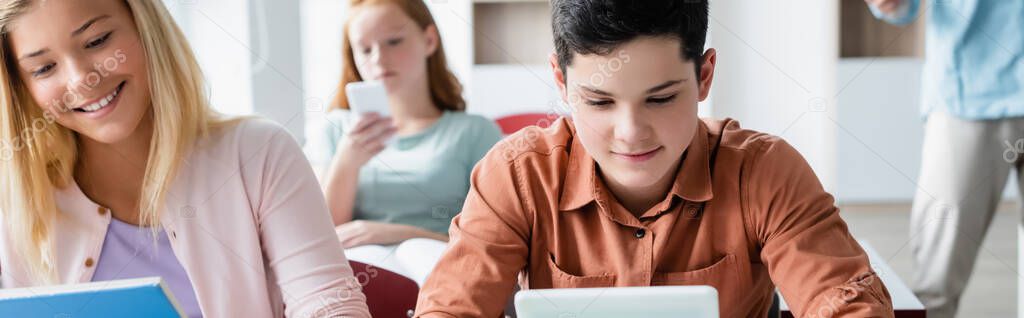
(389, 179)
(973, 101)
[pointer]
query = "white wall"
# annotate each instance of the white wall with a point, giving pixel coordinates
(777, 73)
(250, 55)
(500, 90)
(276, 56)
(881, 131)
(320, 26)
(220, 39)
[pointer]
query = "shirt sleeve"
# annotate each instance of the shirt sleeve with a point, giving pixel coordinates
(905, 14)
(810, 254)
(304, 256)
(476, 275)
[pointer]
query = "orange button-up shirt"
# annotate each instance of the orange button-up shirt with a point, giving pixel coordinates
(539, 212)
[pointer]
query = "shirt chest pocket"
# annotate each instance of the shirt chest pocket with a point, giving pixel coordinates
(564, 279)
(723, 274)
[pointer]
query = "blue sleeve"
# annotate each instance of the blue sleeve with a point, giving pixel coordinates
(485, 135)
(904, 15)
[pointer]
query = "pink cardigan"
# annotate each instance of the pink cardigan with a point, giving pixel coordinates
(246, 219)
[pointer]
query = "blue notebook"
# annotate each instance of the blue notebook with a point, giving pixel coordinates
(143, 297)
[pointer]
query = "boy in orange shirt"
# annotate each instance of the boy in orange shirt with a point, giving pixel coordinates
(636, 190)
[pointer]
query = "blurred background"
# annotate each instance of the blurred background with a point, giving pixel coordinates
(827, 76)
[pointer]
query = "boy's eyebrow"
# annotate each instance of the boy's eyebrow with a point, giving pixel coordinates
(664, 85)
(88, 24)
(594, 90)
(652, 90)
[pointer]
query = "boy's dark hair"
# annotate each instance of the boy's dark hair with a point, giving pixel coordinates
(600, 26)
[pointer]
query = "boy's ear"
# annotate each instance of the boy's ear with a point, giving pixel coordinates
(556, 70)
(707, 73)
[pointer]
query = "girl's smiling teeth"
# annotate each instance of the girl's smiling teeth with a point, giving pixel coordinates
(103, 102)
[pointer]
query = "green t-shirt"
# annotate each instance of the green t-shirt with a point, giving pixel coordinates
(419, 180)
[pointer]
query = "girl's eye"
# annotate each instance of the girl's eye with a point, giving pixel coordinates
(661, 100)
(42, 70)
(393, 42)
(99, 41)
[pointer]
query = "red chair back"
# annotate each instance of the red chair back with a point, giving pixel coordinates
(388, 294)
(513, 123)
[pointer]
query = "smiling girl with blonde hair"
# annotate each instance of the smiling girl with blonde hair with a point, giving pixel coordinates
(113, 166)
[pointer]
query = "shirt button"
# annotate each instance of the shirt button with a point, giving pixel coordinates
(88, 262)
(639, 233)
(101, 210)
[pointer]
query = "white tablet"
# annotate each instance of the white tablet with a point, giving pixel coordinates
(650, 302)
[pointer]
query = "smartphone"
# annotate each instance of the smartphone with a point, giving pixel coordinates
(367, 97)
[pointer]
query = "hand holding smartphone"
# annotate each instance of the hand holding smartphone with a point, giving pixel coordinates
(369, 97)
